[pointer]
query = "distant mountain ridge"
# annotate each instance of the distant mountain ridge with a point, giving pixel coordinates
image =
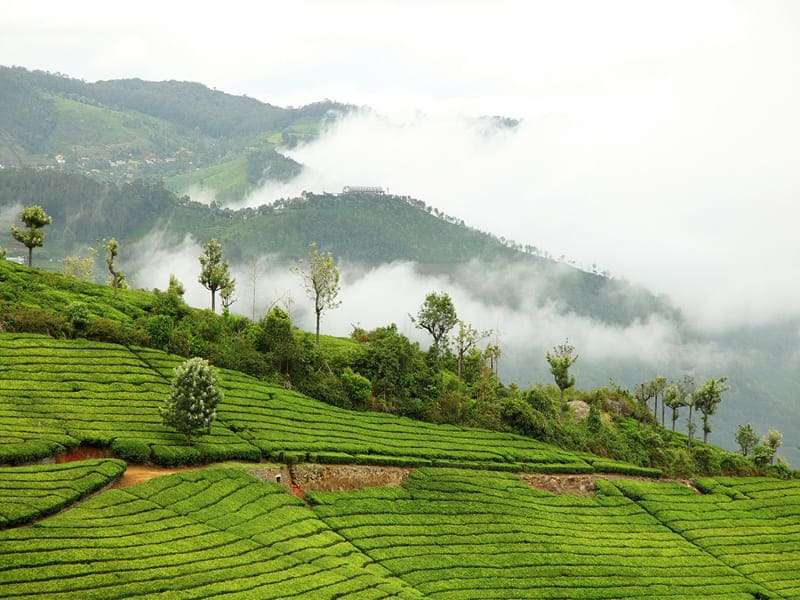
(120, 130)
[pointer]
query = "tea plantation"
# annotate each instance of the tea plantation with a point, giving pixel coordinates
(752, 525)
(56, 394)
(27, 493)
(214, 534)
(459, 534)
(446, 533)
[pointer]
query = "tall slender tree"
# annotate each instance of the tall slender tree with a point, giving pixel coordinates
(561, 359)
(466, 339)
(707, 398)
(35, 219)
(215, 271)
(657, 387)
(438, 317)
(321, 281)
(116, 279)
(673, 397)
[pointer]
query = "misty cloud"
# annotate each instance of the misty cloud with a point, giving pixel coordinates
(373, 297)
(702, 217)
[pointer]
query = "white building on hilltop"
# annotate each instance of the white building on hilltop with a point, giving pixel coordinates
(362, 189)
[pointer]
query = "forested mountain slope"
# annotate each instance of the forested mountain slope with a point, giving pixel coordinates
(184, 132)
(366, 229)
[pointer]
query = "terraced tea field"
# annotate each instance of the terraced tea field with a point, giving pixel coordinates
(465, 534)
(27, 493)
(56, 394)
(218, 533)
(752, 525)
(447, 533)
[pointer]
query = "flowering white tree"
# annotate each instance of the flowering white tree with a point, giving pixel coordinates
(192, 404)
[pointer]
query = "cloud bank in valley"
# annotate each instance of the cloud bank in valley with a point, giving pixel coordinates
(701, 217)
(527, 329)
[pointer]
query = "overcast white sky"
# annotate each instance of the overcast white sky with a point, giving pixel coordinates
(660, 138)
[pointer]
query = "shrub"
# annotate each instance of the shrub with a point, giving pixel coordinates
(30, 319)
(173, 456)
(706, 460)
(78, 315)
(357, 388)
(132, 450)
(762, 455)
(170, 304)
(107, 330)
(521, 417)
(159, 329)
(541, 399)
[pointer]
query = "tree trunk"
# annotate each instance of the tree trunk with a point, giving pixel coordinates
(674, 418)
(705, 428)
(318, 312)
(655, 409)
(690, 425)
(30, 257)
(663, 414)
(213, 301)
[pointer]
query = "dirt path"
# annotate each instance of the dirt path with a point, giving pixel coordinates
(136, 474)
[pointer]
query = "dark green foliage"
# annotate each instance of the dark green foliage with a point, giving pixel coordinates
(79, 316)
(541, 400)
(399, 374)
(275, 338)
(160, 329)
(357, 388)
(521, 417)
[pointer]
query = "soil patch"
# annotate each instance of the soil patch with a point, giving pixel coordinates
(341, 478)
(79, 453)
(136, 474)
(584, 484)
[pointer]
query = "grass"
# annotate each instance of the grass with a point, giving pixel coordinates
(56, 394)
(750, 524)
(28, 493)
(217, 533)
(228, 179)
(95, 130)
(21, 288)
(461, 534)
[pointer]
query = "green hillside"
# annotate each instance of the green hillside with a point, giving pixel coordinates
(57, 394)
(453, 534)
(400, 376)
(120, 130)
(448, 534)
